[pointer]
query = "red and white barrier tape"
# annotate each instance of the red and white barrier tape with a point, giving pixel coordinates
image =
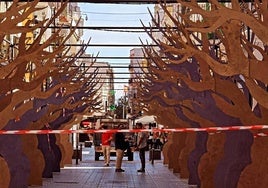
(206, 129)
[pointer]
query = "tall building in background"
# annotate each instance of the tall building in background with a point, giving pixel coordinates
(71, 16)
(164, 19)
(137, 67)
(104, 80)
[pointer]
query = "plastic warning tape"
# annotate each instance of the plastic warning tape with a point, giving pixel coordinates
(202, 129)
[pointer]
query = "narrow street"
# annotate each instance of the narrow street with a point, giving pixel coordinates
(92, 174)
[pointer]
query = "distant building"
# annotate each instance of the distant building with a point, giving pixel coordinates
(104, 80)
(137, 67)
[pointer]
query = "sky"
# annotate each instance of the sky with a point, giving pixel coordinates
(119, 15)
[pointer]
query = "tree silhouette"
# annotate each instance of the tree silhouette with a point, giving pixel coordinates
(54, 94)
(210, 71)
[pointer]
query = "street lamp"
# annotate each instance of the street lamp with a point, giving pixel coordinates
(124, 101)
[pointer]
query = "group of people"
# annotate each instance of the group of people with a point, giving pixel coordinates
(121, 145)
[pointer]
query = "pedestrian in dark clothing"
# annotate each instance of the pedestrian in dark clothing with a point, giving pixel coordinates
(120, 146)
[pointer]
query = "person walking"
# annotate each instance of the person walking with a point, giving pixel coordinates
(106, 139)
(141, 145)
(120, 146)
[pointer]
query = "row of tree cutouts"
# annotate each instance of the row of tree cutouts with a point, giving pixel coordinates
(208, 70)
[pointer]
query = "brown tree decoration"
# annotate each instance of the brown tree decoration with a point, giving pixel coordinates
(212, 81)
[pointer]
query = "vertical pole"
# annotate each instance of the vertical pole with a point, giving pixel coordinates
(80, 152)
(77, 153)
(124, 101)
(123, 109)
(105, 106)
(77, 143)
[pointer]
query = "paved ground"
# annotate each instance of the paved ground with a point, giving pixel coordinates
(92, 174)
